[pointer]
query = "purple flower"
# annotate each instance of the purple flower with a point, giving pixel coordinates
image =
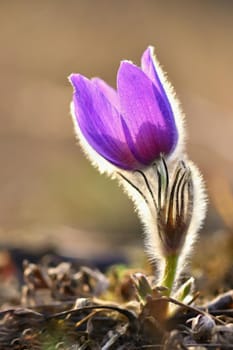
(130, 127)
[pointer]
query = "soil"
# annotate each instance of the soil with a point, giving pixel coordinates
(68, 306)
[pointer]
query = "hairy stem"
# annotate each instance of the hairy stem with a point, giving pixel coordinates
(169, 273)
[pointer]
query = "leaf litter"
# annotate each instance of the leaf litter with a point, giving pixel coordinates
(68, 308)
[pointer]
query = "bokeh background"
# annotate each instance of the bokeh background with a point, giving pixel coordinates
(49, 193)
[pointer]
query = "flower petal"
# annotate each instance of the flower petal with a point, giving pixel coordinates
(149, 124)
(108, 91)
(148, 65)
(100, 123)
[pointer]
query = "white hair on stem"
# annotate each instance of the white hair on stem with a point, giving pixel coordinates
(145, 203)
(137, 189)
(144, 207)
(198, 215)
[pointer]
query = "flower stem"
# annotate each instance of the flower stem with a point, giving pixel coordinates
(169, 272)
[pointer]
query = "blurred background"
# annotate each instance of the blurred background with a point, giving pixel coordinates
(50, 196)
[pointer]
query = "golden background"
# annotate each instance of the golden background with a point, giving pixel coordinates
(49, 193)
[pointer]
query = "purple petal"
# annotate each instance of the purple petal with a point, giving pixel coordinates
(148, 122)
(148, 65)
(108, 91)
(100, 123)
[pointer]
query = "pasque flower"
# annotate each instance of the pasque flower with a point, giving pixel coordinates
(133, 125)
(138, 130)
